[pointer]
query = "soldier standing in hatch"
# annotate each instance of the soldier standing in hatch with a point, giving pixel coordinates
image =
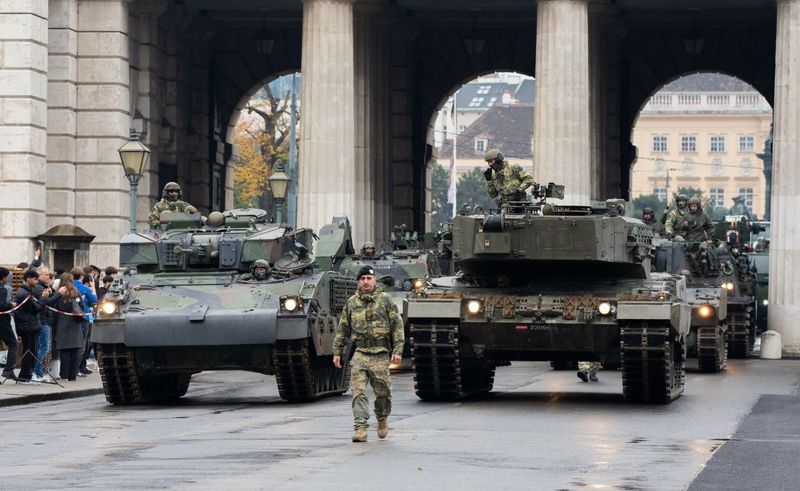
(676, 215)
(506, 181)
(259, 271)
(649, 218)
(368, 250)
(695, 224)
(170, 201)
(371, 321)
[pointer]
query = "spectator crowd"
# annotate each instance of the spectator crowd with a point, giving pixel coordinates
(50, 315)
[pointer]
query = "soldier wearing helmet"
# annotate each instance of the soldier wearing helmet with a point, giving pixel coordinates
(170, 202)
(695, 224)
(649, 217)
(368, 250)
(676, 215)
(506, 182)
(259, 270)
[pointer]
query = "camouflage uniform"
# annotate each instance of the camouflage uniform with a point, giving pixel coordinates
(372, 322)
(166, 205)
(675, 216)
(589, 366)
(509, 183)
(655, 224)
(693, 226)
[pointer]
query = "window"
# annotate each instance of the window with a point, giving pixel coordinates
(484, 89)
(659, 143)
(689, 143)
(717, 144)
(746, 143)
(476, 102)
(661, 193)
(717, 196)
(747, 194)
(480, 145)
(461, 127)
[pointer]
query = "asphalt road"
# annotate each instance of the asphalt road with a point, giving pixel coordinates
(540, 429)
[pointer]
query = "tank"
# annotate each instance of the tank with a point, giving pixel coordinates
(742, 289)
(707, 294)
(546, 282)
(188, 303)
(759, 265)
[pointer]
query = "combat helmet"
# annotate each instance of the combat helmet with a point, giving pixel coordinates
(368, 245)
(171, 186)
(681, 201)
(493, 155)
(694, 200)
(260, 264)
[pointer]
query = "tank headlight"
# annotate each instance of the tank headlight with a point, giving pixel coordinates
(292, 304)
(474, 306)
(604, 308)
(765, 302)
(419, 284)
(108, 308)
(728, 285)
(705, 311)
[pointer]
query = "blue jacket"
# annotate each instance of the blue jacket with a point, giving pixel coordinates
(90, 298)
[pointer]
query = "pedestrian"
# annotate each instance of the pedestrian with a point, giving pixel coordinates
(111, 271)
(7, 334)
(26, 319)
(45, 321)
(371, 322)
(107, 281)
(69, 329)
(85, 286)
(506, 181)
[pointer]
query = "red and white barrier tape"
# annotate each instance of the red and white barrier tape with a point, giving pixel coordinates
(18, 306)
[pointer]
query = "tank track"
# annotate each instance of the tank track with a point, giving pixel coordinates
(441, 370)
(741, 339)
(302, 376)
(653, 367)
(712, 349)
(123, 385)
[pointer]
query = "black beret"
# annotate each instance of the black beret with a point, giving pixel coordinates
(365, 270)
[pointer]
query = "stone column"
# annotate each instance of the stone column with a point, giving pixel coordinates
(561, 141)
(23, 125)
(102, 201)
(327, 180)
(784, 293)
(62, 111)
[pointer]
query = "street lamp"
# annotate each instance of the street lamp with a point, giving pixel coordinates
(279, 183)
(134, 156)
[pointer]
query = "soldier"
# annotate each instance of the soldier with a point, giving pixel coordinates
(508, 182)
(259, 271)
(587, 370)
(368, 250)
(675, 215)
(695, 224)
(170, 201)
(649, 218)
(370, 321)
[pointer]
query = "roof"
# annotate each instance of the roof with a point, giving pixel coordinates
(480, 95)
(508, 128)
(708, 82)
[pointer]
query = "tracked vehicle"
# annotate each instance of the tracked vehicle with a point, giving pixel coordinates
(707, 294)
(546, 282)
(742, 288)
(192, 304)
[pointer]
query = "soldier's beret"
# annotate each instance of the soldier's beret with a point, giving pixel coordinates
(365, 270)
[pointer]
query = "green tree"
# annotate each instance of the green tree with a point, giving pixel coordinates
(471, 190)
(439, 207)
(649, 201)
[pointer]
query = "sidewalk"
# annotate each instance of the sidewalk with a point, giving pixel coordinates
(13, 394)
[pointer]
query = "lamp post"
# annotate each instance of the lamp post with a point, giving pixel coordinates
(134, 156)
(279, 183)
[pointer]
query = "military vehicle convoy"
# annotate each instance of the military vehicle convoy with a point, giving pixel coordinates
(193, 305)
(706, 289)
(546, 282)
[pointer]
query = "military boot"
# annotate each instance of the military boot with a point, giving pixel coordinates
(583, 375)
(593, 377)
(383, 428)
(360, 435)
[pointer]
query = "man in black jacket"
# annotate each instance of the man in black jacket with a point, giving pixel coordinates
(45, 319)
(26, 320)
(6, 333)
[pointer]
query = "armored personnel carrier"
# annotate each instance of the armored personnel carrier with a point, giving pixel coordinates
(707, 294)
(194, 302)
(546, 282)
(742, 289)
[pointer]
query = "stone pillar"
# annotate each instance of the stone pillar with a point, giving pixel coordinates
(784, 294)
(373, 116)
(23, 125)
(62, 113)
(400, 179)
(561, 141)
(102, 200)
(327, 180)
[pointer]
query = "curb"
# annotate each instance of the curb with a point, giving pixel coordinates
(54, 396)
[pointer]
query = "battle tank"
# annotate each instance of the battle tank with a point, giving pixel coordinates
(707, 290)
(192, 304)
(546, 282)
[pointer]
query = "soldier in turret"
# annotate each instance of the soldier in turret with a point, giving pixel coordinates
(695, 224)
(506, 181)
(649, 218)
(676, 215)
(368, 250)
(259, 271)
(170, 201)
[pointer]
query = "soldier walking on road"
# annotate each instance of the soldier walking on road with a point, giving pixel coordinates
(370, 321)
(506, 182)
(170, 201)
(587, 370)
